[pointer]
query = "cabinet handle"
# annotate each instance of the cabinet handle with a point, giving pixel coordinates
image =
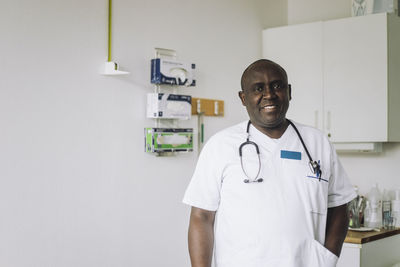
(328, 120)
(316, 118)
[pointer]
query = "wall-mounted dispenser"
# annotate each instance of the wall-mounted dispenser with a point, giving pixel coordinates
(169, 106)
(161, 140)
(172, 72)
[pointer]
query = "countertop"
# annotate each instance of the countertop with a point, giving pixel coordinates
(355, 237)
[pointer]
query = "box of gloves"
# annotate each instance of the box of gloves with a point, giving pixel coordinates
(169, 106)
(167, 71)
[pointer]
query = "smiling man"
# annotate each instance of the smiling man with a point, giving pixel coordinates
(268, 191)
(266, 95)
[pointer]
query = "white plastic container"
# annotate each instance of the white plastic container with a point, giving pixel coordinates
(374, 219)
(386, 210)
(367, 213)
(396, 208)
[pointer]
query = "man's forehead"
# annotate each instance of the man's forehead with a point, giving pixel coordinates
(264, 67)
(270, 71)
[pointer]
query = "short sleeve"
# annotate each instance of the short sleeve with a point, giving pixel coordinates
(204, 188)
(340, 190)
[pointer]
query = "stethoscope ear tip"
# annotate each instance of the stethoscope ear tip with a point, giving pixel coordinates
(246, 181)
(260, 180)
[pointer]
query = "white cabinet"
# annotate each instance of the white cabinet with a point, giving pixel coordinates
(292, 47)
(379, 253)
(344, 75)
(355, 75)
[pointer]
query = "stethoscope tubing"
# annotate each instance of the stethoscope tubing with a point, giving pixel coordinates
(241, 160)
(301, 140)
(314, 166)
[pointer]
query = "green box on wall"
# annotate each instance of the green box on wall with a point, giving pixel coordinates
(168, 140)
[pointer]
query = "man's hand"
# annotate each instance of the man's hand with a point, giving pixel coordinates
(336, 228)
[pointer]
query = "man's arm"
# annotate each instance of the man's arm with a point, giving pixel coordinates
(336, 228)
(201, 237)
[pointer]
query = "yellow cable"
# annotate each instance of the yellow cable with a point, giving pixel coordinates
(109, 28)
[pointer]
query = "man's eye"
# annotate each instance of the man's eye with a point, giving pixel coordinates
(259, 89)
(277, 86)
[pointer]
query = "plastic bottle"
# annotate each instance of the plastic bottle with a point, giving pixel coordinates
(386, 210)
(396, 208)
(352, 211)
(367, 214)
(375, 201)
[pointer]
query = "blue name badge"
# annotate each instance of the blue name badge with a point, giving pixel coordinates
(285, 154)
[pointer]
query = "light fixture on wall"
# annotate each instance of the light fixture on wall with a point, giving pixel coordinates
(111, 67)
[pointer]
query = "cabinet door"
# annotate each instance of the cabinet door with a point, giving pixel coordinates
(355, 78)
(350, 256)
(298, 49)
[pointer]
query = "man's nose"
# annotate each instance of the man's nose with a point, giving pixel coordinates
(268, 92)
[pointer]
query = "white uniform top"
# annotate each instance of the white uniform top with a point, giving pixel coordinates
(280, 221)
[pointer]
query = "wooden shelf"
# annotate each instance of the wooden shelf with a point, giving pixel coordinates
(365, 237)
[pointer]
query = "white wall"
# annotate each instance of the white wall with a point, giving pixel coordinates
(272, 13)
(303, 11)
(363, 169)
(366, 169)
(76, 188)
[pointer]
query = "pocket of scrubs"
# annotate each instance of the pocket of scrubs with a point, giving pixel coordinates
(321, 256)
(315, 191)
(317, 195)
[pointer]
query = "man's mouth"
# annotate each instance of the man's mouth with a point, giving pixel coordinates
(269, 107)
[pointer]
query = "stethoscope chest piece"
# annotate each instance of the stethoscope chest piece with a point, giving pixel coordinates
(259, 180)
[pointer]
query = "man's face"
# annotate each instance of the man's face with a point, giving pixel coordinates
(266, 96)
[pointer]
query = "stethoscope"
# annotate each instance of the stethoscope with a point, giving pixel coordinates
(315, 167)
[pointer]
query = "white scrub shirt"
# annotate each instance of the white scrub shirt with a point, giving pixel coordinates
(280, 221)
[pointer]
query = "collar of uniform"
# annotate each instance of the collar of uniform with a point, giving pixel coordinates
(263, 139)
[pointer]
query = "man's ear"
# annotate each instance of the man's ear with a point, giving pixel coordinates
(242, 98)
(290, 91)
